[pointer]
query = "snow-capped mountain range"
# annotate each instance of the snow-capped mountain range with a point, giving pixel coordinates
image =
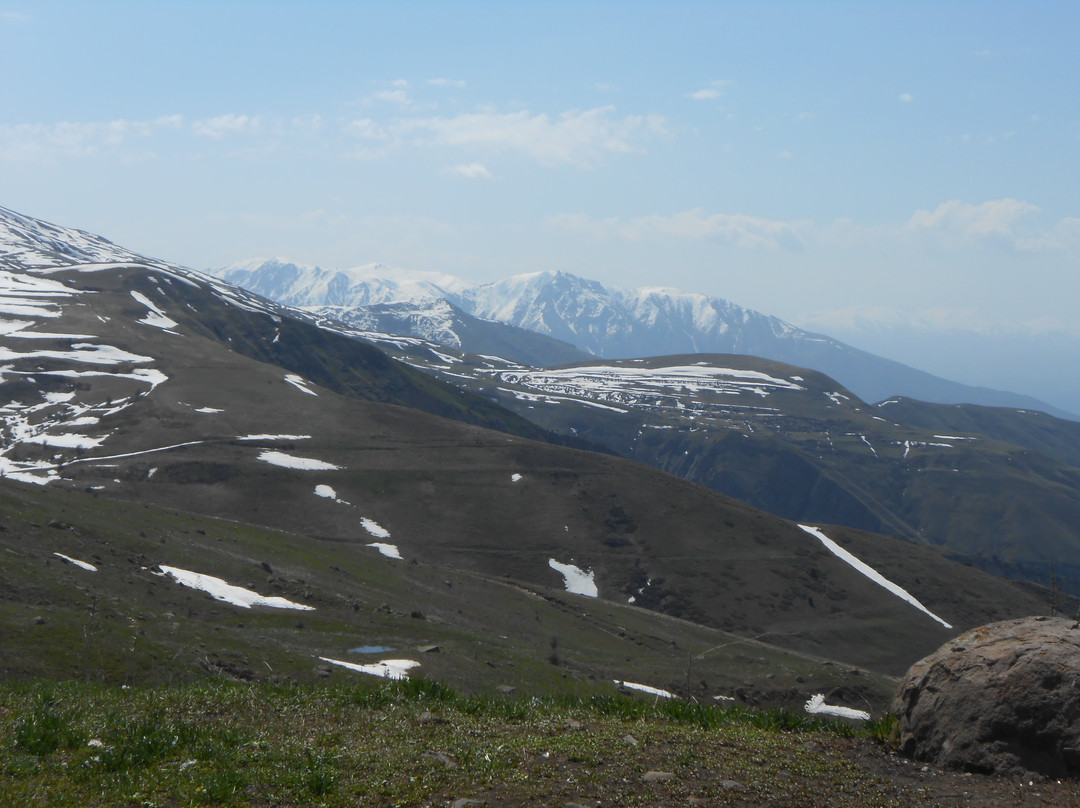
(600, 321)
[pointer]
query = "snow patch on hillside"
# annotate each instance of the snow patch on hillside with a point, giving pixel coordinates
(300, 383)
(870, 572)
(155, 317)
(576, 579)
(817, 706)
(85, 565)
(274, 437)
(386, 668)
(292, 462)
(219, 589)
(652, 691)
(388, 550)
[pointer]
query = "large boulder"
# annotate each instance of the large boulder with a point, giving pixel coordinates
(1003, 698)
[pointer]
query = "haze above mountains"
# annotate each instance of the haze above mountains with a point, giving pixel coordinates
(598, 321)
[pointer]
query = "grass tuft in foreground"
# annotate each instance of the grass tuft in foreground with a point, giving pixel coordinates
(414, 742)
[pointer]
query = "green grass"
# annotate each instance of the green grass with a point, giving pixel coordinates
(415, 742)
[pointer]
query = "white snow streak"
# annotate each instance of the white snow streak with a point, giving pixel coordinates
(869, 572)
(274, 437)
(81, 564)
(653, 691)
(293, 462)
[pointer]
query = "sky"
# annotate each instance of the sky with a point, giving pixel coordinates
(867, 170)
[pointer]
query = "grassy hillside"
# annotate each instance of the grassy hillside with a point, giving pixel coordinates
(415, 743)
(127, 623)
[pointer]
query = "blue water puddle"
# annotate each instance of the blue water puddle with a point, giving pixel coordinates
(371, 649)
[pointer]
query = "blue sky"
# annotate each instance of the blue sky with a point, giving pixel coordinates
(841, 165)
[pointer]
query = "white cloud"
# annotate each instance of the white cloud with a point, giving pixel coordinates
(444, 82)
(13, 16)
(953, 225)
(223, 125)
(576, 137)
(472, 171)
(399, 97)
(907, 98)
(43, 142)
(170, 121)
(871, 318)
(308, 124)
(1003, 221)
(366, 128)
(737, 229)
(716, 89)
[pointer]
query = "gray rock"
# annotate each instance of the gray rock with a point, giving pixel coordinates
(1003, 698)
(653, 776)
(439, 757)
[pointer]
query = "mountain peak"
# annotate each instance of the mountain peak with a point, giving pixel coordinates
(28, 243)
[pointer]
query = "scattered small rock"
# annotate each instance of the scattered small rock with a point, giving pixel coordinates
(444, 759)
(505, 690)
(40, 621)
(630, 739)
(653, 776)
(428, 649)
(573, 723)
(465, 802)
(732, 785)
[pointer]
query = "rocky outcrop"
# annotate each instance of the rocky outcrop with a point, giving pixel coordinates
(1002, 698)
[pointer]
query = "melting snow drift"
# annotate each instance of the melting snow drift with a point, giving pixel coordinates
(577, 580)
(220, 590)
(292, 462)
(817, 706)
(388, 550)
(386, 668)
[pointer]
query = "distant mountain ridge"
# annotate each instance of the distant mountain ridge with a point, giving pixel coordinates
(607, 323)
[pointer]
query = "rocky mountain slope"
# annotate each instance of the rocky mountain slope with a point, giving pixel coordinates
(131, 380)
(607, 323)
